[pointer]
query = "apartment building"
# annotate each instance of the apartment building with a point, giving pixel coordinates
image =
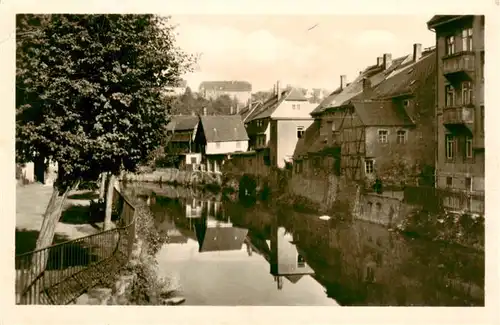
(460, 164)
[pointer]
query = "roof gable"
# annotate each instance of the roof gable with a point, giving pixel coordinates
(182, 123)
(268, 107)
(381, 113)
(221, 239)
(223, 128)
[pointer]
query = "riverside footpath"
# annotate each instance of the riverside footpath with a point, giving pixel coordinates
(31, 202)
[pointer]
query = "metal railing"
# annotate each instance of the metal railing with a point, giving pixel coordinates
(60, 273)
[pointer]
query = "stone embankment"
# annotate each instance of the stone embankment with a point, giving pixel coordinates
(176, 177)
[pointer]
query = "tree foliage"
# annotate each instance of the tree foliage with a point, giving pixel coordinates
(88, 90)
(189, 103)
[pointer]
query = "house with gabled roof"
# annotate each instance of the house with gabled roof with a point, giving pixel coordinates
(181, 131)
(380, 126)
(219, 136)
(275, 125)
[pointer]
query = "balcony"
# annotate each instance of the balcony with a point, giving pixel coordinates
(459, 64)
(458, 117)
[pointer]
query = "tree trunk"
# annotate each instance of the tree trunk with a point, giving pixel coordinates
(45, 238)
(102, 188)
(109, 202)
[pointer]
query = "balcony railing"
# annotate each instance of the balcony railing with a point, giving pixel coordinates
(458, 115)
(459, 62)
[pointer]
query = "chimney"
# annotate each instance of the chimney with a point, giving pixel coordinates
(366, 84)
(278, 90)
(417, 52)
(387, 60)
(204, 111)
(380, 60)
(343, 82)
(250, 105)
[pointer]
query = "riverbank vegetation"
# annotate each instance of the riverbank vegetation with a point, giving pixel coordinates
(148, 288)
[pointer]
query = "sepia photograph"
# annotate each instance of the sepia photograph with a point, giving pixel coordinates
(259, 160)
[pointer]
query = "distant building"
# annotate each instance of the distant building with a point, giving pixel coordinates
(176, 90)
(460, 165)
(239, 90)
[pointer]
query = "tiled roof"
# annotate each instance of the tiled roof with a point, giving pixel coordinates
(296, 95)
(268, 107)
(221, 239)
(439, 19)
(233, 85)
(246, 111)
(182, 123)
(342, 97)
(223, 128)
(381, 113)
(407, 80)
(311, 135)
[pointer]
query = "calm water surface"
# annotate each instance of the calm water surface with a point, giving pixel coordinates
(226, 253)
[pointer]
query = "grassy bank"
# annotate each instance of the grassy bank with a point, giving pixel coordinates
(148, 288)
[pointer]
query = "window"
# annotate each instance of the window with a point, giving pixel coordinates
(450, 146)
(217, 145)
(193, 160)
(369, 166)
(383, 136)
(406, 103)
(378, 208)
(468, 147)
(401, 137)
(300, 261)
(468, 184)
(297, 106)
(467, 93)
(482, 65)
(293, 106)
(450, 45)
(300, 132)
(482, 119)
(467, 39)
(450, 96)
(449, 181)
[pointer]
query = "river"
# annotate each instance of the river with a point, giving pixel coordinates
(221, 252)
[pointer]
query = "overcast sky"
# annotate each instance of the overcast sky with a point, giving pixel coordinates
(265, 48)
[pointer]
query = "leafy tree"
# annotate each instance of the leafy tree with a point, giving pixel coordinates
(262, 95)
(223, 105)
(88, 95)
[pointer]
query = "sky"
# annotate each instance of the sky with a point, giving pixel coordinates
(307, 51)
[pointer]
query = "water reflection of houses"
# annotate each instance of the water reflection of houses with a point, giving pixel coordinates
(214, 231)
(365, 264)
(286, 261)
